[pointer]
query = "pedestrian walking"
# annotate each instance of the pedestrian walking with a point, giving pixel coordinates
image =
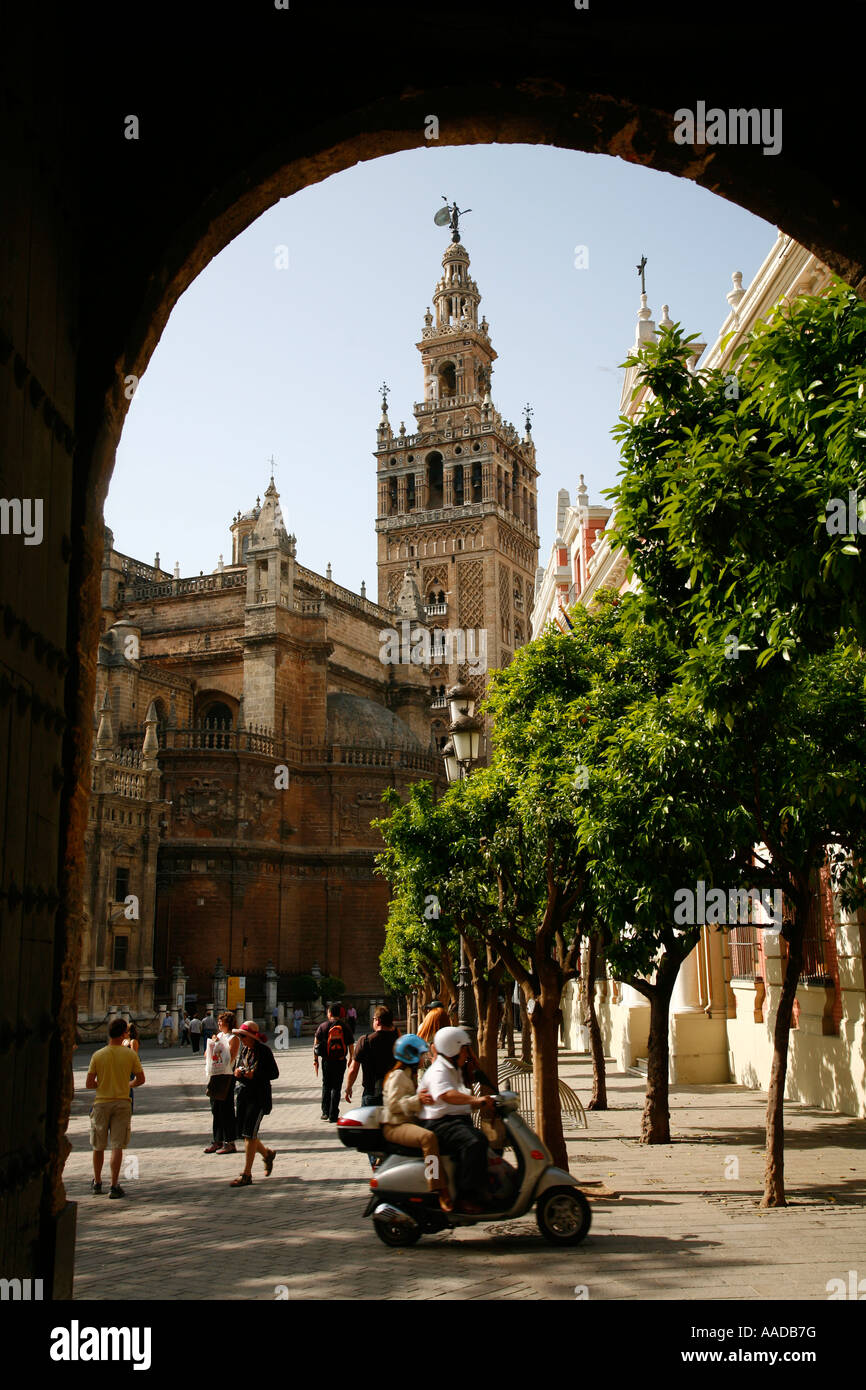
(184, 1030)
(298, 1019)
(167, 1029)
(256, 1068)
(436, 1016)
(374, 1058)
(209, 1028)
(334, 1045)
(352, 1016)
(111, 1116)
(195, 1032)
(221, 1053)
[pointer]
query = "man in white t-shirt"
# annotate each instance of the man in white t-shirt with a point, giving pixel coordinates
(195, 1032)
(448, 1115)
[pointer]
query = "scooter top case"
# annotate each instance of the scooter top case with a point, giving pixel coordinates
(361, 1130)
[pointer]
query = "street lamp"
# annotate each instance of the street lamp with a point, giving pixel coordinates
(459, 753)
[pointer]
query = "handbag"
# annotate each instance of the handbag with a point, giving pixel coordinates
(218, 1061)
(218, 1087)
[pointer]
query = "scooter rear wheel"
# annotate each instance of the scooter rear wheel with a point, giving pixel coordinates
(563, 1215)
(395, 1235)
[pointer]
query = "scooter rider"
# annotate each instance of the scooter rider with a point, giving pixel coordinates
(448, 1116)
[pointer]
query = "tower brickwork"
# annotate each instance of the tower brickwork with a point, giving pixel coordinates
(457, 498)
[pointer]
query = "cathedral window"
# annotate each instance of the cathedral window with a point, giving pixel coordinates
(392, 496)
(121, 884)
(458, 486)
(121, 950)
(410, 492)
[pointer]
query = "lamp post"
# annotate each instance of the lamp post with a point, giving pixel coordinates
(459, 753)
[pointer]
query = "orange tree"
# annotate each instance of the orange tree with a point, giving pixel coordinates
(742, 513)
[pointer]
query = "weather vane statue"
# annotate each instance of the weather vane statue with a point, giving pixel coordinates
(641, 269)
(450, 216)
(386, 390)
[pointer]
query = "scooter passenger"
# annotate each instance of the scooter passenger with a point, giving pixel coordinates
(448, 1114)
(402, 1106)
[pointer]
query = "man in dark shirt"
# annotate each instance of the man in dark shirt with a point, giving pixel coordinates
(374, 1056)
(334, 1045)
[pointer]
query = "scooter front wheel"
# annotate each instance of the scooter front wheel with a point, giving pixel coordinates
(396, 1233)
(563, 1215)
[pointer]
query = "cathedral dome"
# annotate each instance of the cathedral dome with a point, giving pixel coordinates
(354, 720)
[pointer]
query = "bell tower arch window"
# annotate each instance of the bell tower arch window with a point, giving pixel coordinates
(447, 380)
(434, 479)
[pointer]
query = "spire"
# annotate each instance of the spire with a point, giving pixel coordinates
(646, 329)
(409, 603)
(270, 529)
(665, 321)
(105, 735)
(384, 433)
(735, 295)
(150, 746)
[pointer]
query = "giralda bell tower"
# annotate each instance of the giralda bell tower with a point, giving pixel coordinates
(457, 498)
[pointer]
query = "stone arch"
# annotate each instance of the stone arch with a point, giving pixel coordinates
(110, 235)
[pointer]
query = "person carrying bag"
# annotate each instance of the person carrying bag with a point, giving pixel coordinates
(219, 1062)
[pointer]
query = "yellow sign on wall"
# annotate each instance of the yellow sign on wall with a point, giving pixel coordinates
(236, 993)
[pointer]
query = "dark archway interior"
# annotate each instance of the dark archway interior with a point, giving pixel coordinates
(102, 235)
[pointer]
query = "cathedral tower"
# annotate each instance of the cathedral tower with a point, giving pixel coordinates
(457, 498)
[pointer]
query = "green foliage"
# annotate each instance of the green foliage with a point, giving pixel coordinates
(331, 986)
(722, 507)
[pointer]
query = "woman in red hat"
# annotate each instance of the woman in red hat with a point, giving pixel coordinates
(256, 1068)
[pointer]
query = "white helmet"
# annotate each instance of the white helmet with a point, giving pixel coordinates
(448, 1041)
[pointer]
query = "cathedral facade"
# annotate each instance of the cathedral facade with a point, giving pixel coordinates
(248, 721)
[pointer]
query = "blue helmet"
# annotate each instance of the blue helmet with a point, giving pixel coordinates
(410, 1049)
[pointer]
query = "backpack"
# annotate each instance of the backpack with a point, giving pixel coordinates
(335, 1047)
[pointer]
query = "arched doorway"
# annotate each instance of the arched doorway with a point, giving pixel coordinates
(109, 225)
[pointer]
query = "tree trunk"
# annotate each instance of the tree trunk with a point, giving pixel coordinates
(656, 1120)
(774, 1162)
(545, 1072)
(488, 1019)
(508, 1027)
(525, 1034)
(598, 1100)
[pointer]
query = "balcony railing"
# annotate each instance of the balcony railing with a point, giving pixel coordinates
(435, 610)
(263, 741)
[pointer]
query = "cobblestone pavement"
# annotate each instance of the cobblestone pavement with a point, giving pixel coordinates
(668, 1221)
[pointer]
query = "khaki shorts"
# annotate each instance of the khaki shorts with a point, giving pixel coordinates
(114, 1116)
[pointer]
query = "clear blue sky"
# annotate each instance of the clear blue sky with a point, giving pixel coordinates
(257, 360)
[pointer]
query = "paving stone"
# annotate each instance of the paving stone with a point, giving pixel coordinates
(676, 1229)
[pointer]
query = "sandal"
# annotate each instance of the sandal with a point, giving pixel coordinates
(269, 1161)
(243, 1181)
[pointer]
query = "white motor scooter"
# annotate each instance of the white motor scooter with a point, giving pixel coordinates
(403, 1208)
